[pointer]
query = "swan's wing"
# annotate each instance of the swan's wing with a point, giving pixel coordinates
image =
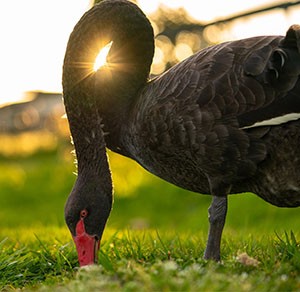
(207, 104)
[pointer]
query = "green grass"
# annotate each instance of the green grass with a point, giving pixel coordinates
(154, 240)
(149, 261)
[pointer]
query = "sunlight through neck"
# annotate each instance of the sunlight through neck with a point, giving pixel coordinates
(101, 57)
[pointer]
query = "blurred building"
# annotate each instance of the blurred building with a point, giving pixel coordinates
(43, 112)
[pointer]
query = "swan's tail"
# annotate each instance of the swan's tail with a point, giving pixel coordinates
(283, 68)
(292, 38)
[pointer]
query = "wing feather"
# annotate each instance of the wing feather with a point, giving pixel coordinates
(204, 104)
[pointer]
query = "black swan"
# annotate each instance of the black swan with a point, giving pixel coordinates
(225, 120)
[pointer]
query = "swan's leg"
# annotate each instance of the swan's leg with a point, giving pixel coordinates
(217, 215)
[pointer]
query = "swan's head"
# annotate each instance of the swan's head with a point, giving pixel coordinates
(86, 212)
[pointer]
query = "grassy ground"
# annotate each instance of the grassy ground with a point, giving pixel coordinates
(151, 261)
(155, 237)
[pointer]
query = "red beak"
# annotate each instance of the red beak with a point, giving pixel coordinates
(87, 245)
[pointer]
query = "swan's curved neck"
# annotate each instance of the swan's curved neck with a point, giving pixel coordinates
(109, 92)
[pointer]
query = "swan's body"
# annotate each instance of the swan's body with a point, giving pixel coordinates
(185, 129)
(224, 120)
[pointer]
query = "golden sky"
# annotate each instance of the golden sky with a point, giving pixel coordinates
(33, 39)
(34, 34)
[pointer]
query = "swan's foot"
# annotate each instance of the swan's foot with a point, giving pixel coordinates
(217, 215)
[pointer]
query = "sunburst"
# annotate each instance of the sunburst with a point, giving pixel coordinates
(101, 60)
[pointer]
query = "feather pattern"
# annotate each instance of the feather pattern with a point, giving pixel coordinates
(202, 109)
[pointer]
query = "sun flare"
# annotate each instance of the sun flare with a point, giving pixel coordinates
(101, 57)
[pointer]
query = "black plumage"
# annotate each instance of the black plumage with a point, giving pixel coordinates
(224, 120)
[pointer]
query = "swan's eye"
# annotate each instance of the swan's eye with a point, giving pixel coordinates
(83, 213)
(101, 57)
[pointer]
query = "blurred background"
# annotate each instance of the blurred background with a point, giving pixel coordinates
(36, 163)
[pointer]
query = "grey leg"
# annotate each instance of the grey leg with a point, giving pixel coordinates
(217, 215)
